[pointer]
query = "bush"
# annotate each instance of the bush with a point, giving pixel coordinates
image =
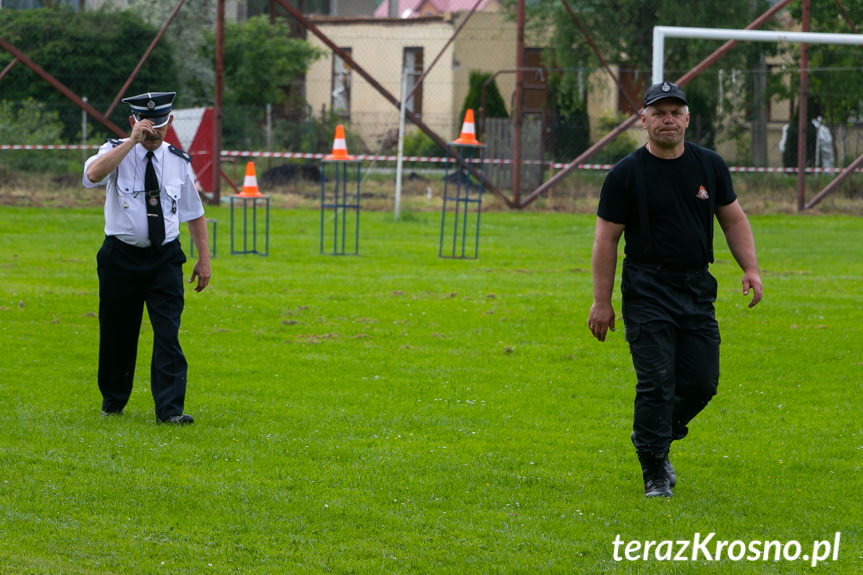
(90, 52)
(28, 122)
(418, 143)
(494, 105)
(620, 147)
(569, 123)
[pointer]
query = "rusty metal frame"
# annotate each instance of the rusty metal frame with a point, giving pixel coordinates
(59, 86)
(8, 67)
(517, 201)
(308, 25)
(623, 126)
(853, 166)
(632, 105)
(452, 38)
(103, 119)
(143, 59)
(218, 91)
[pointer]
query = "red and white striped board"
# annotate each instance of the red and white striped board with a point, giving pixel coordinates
(192, 131)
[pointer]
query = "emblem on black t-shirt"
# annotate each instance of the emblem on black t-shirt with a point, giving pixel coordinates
(702, 193)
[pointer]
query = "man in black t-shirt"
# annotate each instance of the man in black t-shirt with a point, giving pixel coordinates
(662, 198)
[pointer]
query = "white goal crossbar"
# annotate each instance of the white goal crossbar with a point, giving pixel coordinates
(660, 33)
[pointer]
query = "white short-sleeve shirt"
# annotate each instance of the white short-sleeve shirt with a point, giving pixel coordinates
(125, 208)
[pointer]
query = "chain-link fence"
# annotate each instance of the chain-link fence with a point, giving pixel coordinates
(335, 92)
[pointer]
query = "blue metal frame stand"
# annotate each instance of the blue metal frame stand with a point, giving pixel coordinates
(464, 200)
(341, 203)
(254, 204)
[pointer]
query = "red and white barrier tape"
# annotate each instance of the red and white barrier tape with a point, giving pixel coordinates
(425, 159)
(554, 165)
(57, 147)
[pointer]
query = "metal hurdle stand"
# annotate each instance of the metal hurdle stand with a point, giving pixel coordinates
(245, 201)
(339, 201)
(467, 196)
(250, 194)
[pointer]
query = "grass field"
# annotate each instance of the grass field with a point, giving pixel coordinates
(400, 413)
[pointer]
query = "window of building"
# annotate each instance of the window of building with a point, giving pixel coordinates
(634, 82)
(341, 95)
(413, 65)
(535, 81)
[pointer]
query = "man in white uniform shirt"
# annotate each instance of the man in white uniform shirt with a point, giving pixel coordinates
(150, 190)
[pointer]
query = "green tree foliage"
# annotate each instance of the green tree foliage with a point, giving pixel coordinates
(261, 63)
(835, 78)
(92, 53)
(494, 104)
(571, 125)
(186, 34)
(28, 122)
(261, 60)
(621, 147)
(418, 143)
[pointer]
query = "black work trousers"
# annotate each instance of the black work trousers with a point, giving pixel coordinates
(674, 340)
(129, 278)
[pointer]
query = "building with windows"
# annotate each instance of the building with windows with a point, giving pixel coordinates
(390, 49)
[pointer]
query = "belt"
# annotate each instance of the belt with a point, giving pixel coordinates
(667, 268)
(151, 248)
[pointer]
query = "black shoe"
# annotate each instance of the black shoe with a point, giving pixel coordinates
(104, 413)
(653, 471)
(669, 471)
(179, 419)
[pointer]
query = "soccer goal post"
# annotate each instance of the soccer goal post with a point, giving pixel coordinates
(660, 33)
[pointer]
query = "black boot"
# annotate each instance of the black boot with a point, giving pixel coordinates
(669, 471)
(653, 471)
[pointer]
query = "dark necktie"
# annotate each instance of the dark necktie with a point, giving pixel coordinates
(155, 219)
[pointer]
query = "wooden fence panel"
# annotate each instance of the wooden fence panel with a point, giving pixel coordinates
(498, 146)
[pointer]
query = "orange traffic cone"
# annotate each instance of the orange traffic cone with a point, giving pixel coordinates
(250, 183)
(340, 148)
(468, 131)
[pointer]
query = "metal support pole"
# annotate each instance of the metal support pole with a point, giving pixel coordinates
(8, 67)
(400, 160)
(802, 111)
(845, 174)
(217, 101)
(517, 107)
(83, 132)
(846, 16)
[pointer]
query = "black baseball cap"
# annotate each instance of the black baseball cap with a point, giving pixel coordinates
(664, 90)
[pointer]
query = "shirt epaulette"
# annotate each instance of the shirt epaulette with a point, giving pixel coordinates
(180, 153)
(114, 141)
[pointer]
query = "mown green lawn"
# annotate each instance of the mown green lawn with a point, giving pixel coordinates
(400, 413)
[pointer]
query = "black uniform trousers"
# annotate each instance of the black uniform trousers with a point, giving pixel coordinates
(129, 278)
(674, 340)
